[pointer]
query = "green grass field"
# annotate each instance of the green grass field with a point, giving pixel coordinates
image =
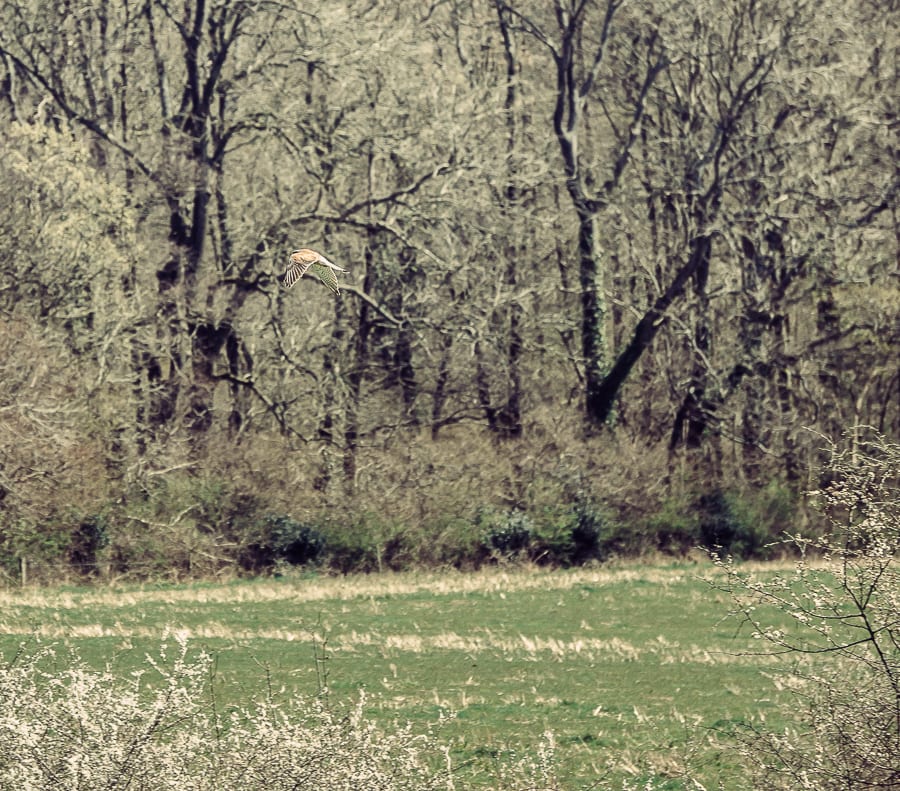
(626, 666)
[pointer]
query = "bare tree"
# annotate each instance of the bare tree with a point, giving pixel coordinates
(582, 78)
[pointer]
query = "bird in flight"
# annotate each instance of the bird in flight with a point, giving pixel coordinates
(304, 260)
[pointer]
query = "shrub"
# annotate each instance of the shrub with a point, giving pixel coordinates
(64, 725)
(509, 534)
(570, 535)
(281, 538)
(88, 538)
(43, 545)
(352, 544)
(730, 526)
(586, 533)
(675, 529)
(840, 603)
(295, 543)
(591, 530)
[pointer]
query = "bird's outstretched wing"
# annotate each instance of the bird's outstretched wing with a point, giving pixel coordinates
(300, 262)
(327, 275)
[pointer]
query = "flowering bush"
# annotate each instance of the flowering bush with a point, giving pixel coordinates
(841, 603)
(63, 725)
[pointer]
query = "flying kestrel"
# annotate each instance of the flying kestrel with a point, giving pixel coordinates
(303, 260)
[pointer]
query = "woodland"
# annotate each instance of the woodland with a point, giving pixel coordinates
(618, 272)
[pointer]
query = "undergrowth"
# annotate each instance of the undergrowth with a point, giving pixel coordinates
(198, 527)
(64, 725)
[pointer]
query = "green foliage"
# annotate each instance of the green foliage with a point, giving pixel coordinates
(571, 535)
(183, 525)
(674, 528)
(295, 543)
(587, 533)
(453, 543)
(89, 537)
(281, 538)
(722, 531)
(740, 522)
(352, 542)
(565, 535)
(744, 524)
(41, 545)
(767, 514)
(509, 534)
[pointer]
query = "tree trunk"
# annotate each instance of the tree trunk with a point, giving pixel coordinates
(439, 397)
(357, 372)
(593, 314)
(646, 329)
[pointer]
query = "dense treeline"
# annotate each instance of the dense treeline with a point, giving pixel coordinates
(614, 267)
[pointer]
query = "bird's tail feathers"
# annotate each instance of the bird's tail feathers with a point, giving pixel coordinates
(334, 265)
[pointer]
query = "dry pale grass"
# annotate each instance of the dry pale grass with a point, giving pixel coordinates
(496, 580)
(499, 582)
(363, 586)
(534, 648)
